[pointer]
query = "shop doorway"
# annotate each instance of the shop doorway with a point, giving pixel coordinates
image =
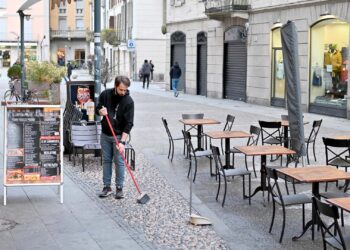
(202, 63)
(79, 57)
(278, 86)
(328, 71)
(178, 54)
(235, 64)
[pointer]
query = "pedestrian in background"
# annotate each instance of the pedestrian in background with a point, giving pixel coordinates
(119, 106)
(175, 74)
(152, 69)
(69, 70)
(146, 71)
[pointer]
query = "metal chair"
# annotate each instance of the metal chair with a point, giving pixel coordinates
(312, 138)
(271, 134)
(194, 154)
(255, 131)
(283, 200)
(130, 154)
(330, 230)
(337, 152)
(230, 119)
(229, 173)
(171, 139)
(189, 128)
(85, 137)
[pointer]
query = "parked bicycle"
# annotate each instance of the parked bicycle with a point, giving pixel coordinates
(12, 95)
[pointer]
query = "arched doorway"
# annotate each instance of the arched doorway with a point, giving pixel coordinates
(278, 88)
(235, 63)
(202, 63)
(178, 54)
(328, 81)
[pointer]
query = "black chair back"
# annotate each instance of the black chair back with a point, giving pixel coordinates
(193, 116)
(165, 123)
(329, 228)
(255, 131)
(337, 151)
(229, 122)
(274, 188)
(187, 139)
(316, 125)
(216, 155)
(270, 131)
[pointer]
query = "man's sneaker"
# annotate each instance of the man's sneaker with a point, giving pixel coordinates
(119, 193)
(106, 191)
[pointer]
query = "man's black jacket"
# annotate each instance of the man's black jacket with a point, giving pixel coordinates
(120, 111)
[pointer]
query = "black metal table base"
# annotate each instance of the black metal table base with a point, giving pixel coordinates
(307, 226)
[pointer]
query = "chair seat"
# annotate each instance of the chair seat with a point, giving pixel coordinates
(335, 241)
(294, 199)
(202, 153)
(272, 141)
(330, 195)
(235, 151)
(235, 172)
(339, 162)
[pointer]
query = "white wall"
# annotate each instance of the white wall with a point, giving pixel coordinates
(192, 9)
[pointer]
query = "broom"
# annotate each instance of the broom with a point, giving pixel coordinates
(143, 197)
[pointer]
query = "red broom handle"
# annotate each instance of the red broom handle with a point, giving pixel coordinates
(126, 163)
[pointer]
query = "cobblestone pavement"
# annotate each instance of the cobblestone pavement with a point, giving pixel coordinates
(163, 220)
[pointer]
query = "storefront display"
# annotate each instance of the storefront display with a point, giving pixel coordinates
(278, 79)
(329, 65)
(32, 146)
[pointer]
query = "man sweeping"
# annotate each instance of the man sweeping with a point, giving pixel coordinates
(117, 104)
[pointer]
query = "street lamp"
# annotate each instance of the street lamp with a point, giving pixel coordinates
(22, 16)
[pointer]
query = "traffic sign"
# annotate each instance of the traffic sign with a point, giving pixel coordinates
(131, 44)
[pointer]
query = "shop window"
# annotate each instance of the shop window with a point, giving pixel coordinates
(278, 79)
(329, 63)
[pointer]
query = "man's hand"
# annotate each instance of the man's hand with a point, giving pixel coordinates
(121, 148)
(103, 111)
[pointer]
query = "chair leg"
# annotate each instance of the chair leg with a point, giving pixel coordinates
(283, 223)
(74, 155)
(254, 167)
(314, 150)
(217, 193)
(303, 208)
(307, 153)
(224, 198)
(169, 148)
(172, 151)
(233, 160)
(250, 187)
(195, 170)
(189, 168)
(243, 186)
(246, 164)
(273, 214)
(83, 160)
(342, 217)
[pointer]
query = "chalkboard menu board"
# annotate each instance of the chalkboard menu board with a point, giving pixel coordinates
(33, 145)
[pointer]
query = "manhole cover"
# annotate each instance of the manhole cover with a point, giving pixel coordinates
(7, 224)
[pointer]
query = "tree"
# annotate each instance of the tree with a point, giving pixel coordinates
(109, 36)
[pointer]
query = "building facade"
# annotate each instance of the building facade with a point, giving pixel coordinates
(138, 25)
(69, 32)
(36, 31)
(232, 49)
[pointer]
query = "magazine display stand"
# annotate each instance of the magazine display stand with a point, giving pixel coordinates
(33, 146)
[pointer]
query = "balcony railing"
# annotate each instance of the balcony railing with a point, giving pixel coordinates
(226, 6)
(68, 34)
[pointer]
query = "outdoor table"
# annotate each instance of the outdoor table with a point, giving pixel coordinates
(343, 203)
(199, 123)
(314, 175)
(227, 135)
(263, 151)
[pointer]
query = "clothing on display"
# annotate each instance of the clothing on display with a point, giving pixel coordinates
(317, 76)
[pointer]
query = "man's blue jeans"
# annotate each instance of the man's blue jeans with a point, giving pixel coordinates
(174, 83)
(110, 154)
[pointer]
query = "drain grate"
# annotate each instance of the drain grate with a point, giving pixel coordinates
(7, 224)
